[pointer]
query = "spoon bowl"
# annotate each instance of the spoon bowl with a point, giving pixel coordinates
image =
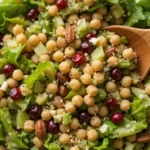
(139, 40)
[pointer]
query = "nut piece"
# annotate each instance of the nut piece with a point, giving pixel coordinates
(63, 91)
(61, 78)
(144, 139)
(69, 34)
(88, 18)
(58, 101)
(40, 129)
(110, 51)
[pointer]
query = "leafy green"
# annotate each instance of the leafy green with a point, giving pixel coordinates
(47, 67)
(103, 145)
(47, 140)
(123, 40)
(113, 1)
(54, 146)
(2, 133)
(67, 118)
(3, 62)
(96, 6)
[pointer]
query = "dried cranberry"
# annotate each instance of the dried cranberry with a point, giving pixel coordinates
(53, 127)
(117, 118)
(84, 117)
(1, 37)
(35, 111)
(8, 70)
(78, 58)
(86, 47)
(33, 14)
(89, 36)
(61, 4)
(116, 74)
(112, 104)
(15, 93)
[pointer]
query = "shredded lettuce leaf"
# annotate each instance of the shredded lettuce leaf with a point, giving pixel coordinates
(67, 118)
(103, 145)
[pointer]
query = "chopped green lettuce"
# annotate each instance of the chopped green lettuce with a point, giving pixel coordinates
(3, 62)
(67, 118)
(103, 145)
(113, 1)
(123, 40)
(47, 140)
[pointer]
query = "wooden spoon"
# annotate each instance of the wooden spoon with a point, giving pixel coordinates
(139, 40)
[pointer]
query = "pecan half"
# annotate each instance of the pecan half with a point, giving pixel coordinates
(87, 17)
(61, 78)
(110, 51)
(63, 90)
(58, 102)
(144, 139)
(69, 34)
(40, 129)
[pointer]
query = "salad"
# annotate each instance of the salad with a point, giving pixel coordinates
(65, 82)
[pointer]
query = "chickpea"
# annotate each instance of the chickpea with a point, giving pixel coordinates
(97, 65)
(103, 111)
(58, 56)
(95, 24)
(89, 2)
(2, 147)
(102, 41)
(74, 84)
(3, 102)
(147, 89)
(119, 21)
(74, 73)
(76, 43)
(53, 10)
(42, 37)
(64, 67)
(7, 37)
(46, 115)
(1, 93)
(60, 111)
(102, 10)
(128, 54)
(61, 42)
(37, 142)
(28, 48)
(74, 124)
(91, 90)
(44, 57)
(86, 79)
(60, 31)
(131, 138)
(18, 29)
(126, 81)
(118, 143)
(74, 148)
(125, 93)
(92, 135)
(51, 45)
(52, 88)
(24, 90)
(110, 87)
(113, 61)
(29, 126)
(73, 18)
(35, 59)
(34, 40)
(69, 107)
(97, 16)
(88, 100)
(120, 47)
(64, 128)
(95, 121)
(125, 105)
(114, 39)
(93, 110)
(21, 38)
(50, 1)
(77, 100)
(69, 52)
(99, 78)
(64, 138)
(12, 83)
(88, 69)
(17, 74)
(81, 134)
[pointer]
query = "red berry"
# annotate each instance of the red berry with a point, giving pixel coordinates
(1, 37)
(89, 36)
(116, 74)
(33, 14)
(117, 118)
(112, 104)
(15, 93)
(53, 127)
(86, 47)
(61, 4)
(84, 117)
(8, 70)
(78, 58)
(35, 111)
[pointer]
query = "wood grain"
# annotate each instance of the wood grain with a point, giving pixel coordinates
(139, 40)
